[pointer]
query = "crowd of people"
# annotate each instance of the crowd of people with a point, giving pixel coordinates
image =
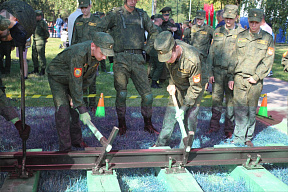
(233, 60)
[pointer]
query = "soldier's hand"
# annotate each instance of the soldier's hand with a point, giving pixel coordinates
(231, 85)
(251, 80)
(211, 79)
(19, 35)
(171, 89)
(24, 134)
(85, 117)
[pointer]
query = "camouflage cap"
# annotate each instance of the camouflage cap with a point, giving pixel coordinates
(158, 16)
(38, 12)
(165, 10)
(200, 14)
(230, 11)
(255, 15)
(84, 3)
(164, 44)
(105, 42)
(4, 23)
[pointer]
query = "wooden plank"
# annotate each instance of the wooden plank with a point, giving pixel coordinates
(102, 182)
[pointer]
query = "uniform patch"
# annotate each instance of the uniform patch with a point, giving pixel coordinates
(263, 42)
(234, 36)
(242, 40)
(197, 78)
(285, 54)
(193, 31)
(184, 70)
(77, 72)
(203, 32)
(79, 23)
(92, 24)
(219, 35)
(270, 51)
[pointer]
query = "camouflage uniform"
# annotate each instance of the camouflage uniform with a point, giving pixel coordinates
(255, 57)
(83, 29)
(4, 23)
(284, 61)
(39, 43)
(187, 35)
(201, 37)
(185, 74)
(221, 57)
(127, 29)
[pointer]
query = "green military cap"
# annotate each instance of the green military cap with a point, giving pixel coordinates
(164, 44)
(158, 16)
(200, 14)
(186, 22)
(84, 3)
(105, 42)
(230, 11)
(38, 13)
(165, 10)
(255, 15)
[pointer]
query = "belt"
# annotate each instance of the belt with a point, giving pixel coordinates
(133, 51)
(221, 67)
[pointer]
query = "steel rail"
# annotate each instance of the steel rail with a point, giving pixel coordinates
(137, 158)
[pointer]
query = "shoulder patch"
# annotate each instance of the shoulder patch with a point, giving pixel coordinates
(79, 23)
(197, 78)
(77, 72)
(285, 54)
(270, 51)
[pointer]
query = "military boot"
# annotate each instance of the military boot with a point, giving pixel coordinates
(148, 126)
(122, 126)
(36, 70)
(42, 72)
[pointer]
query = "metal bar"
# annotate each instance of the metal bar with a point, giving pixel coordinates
(141, 158)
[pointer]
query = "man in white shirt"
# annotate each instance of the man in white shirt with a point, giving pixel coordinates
(71, 19)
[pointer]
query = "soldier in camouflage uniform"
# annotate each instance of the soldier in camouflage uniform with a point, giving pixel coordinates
(6, 109)
(156, 66)
(69, 73)
(221, 56)
(201, 37)
(187, 32)
(39, 43)
(284, 61)
(167, 25)
(184, 65)
(84, 27)
(127, 25)
(255, 56)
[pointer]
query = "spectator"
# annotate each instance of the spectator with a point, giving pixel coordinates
(59, 24)
(71, 20)
(220, 19)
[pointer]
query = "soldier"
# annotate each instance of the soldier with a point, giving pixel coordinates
(184, 65)
(254, 60)
(201, 37)
(221, 56)
(167, 25)
(84, 27)
(69, 73)
(284, 61)
(6, 109)
(187, 32)
(127, 25)
(156, 66)
(39, 43)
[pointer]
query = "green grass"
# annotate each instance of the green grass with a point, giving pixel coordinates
(37, 85)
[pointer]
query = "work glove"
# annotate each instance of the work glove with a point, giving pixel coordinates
(179, 114)
(85, 117)
(18, 34)
(24, 134)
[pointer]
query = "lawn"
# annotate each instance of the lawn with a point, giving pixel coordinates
(38, 85)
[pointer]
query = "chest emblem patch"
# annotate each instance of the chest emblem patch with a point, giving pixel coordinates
(197, 78)
(203, 32)
(77, 72)
(270, 51)
(285, 54)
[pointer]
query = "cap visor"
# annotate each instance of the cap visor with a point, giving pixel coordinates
(255, 19)
(165, 57)
(229, 16)
(107, 52)
(83, 5)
